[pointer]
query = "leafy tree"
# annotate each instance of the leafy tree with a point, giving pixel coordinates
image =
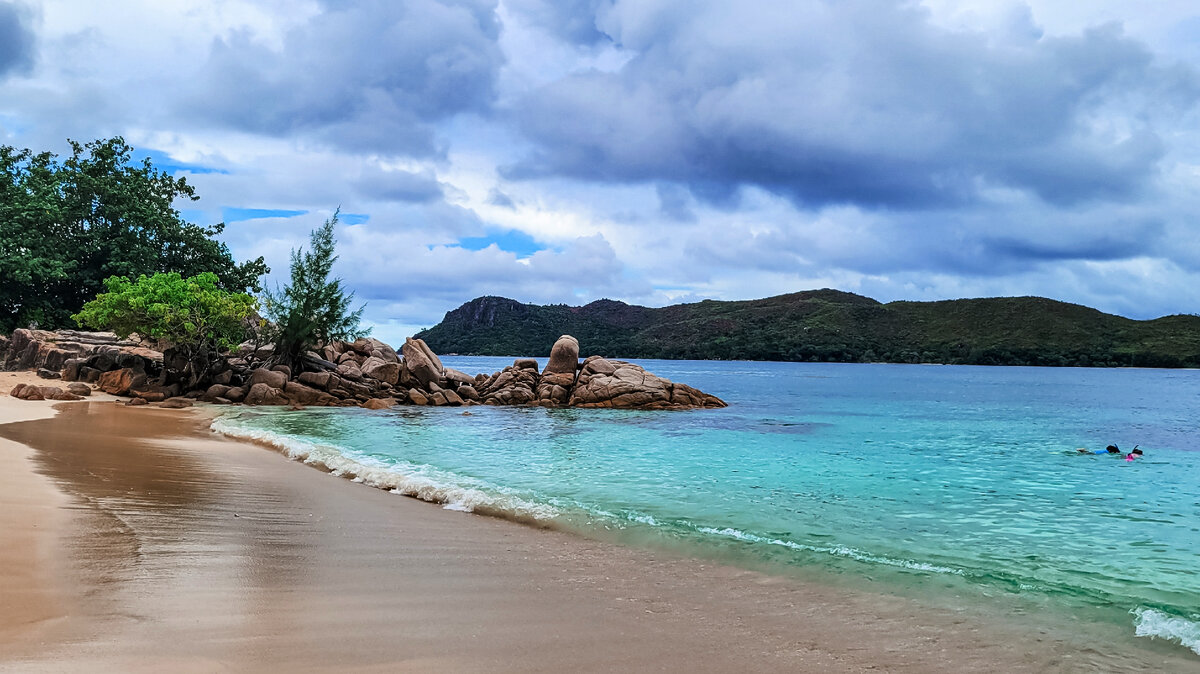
(311, 310)
(195, 315)
(67, 225)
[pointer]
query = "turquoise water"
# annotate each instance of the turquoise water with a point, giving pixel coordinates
(921, 474)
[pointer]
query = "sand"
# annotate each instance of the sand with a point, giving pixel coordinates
(136, 540)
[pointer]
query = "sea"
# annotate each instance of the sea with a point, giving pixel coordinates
(939, 481)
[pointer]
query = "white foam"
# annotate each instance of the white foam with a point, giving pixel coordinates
(836, 550)
(453, 492)
(1158, 625)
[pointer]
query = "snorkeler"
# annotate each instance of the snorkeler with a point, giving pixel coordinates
(1111, 449)
(1135, 454)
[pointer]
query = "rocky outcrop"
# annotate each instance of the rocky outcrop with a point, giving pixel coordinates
(365, 372)
(615, 383)
(38, 349)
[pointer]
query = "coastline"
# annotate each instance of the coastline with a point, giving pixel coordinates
(174, 547)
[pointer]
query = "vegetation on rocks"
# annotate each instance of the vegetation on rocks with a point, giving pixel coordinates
(312, 310)
(829, 326)
(197, 317)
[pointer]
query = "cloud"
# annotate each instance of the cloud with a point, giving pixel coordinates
(16, 39)
(395, 267)
(399, 185)
(860, 103)
(571, 20)
(368, 76)
(498, 198)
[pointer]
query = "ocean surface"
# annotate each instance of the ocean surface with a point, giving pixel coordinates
(952, 479)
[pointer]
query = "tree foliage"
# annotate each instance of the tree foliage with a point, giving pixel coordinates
(195, 315)
(67, 225)
(311, 310)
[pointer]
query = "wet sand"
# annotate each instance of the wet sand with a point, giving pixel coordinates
(144, 542)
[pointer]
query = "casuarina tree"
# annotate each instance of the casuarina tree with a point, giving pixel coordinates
(312, 309)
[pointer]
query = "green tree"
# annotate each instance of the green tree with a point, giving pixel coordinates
(196, 316)
(311, 310)
(67, 225)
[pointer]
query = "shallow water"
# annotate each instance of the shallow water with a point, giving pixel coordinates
(948, 476)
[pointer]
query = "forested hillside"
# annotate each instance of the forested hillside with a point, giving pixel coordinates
(828, 325)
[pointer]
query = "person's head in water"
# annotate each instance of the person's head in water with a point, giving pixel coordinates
(1113, 449)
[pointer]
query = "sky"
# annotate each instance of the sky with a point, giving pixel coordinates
(563, 151)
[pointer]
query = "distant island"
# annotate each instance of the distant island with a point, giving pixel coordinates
(829, 326)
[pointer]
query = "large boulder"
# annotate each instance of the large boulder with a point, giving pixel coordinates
(300, 394)
(458, 377)
(79, 389)
(119, 382)
(369, 346)
(350, 370)
(381, 370)
(271, 378)
(605, 383)
(316, 379)
(383, 351)
(421, 361)
(31, 392)
(71, 368)
(564, 356)
(379, 403)
(264, 394)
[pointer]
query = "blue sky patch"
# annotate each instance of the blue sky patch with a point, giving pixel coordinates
(353, 218)
(239, 214)
(510, 240)
(163, 162)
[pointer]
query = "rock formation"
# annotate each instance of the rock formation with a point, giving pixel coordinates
(366, 373)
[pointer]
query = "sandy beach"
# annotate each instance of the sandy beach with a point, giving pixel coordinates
(134, 539)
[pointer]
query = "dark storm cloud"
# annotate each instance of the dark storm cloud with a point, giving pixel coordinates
(16, 39)
(864, 103)
(373, 75)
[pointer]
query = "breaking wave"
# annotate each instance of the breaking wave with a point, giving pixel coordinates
(451, 491)
(1155, 624)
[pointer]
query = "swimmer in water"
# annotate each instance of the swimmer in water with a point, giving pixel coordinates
(1111, 449)
(1135, 454)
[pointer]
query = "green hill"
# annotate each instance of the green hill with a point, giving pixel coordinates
(828, 325)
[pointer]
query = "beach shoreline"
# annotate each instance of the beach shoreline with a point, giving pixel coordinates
(160, 544)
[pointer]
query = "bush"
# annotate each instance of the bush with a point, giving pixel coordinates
(195, 315)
